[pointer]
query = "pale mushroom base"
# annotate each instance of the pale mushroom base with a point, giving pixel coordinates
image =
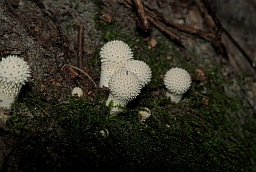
(117, 106)
(8, 94)
(175, 98)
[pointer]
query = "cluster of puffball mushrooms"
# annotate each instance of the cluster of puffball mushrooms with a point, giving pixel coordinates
(120, 72)
(125, 77)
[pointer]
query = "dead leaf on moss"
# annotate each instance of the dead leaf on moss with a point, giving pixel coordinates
(200, 75)
(107, 18)
(206, 101)
(152, 43)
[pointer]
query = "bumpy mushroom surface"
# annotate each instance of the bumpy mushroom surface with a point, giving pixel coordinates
(124, 86)
(107, 70)
(8, 94)
(177, 82)
(115, 51)
(14, 70)
(141, 69)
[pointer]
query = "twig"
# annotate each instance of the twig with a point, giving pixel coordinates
(165, 30)
(80, 46)
(156, 23)
(181, 28)
(143, 24)
(83, 72)
(221, 30)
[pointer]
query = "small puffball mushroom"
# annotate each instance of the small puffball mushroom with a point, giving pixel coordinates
(177, 81)
(77, 91)
(124, 86)
(107, 70)
(145, 113)
(141, 69)
(115, 51)
(14, 72)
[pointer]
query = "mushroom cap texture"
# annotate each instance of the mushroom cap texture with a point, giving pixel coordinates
(77, 91)
(177, 80)
(115, 51)
(124, 85)
(8, 93)
(107, 70)
(14, 70)
(141, 69)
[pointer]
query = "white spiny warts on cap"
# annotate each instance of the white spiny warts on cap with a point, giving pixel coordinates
(141, 69)
(115, 51)
(177, 81)
(124, 86)
(14, 70)
(107, 70)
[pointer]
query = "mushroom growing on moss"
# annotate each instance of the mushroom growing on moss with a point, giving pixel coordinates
(77, 91)
(177, 81)
(113, 55)
(124, 86)
(14, 72)
(141, 69)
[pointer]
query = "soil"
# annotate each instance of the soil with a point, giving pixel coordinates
(45, 34)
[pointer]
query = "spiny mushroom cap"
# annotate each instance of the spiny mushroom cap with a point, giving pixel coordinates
(115, 51)
(124, 85)
(177, 80)
(107, 70)
(141, 69)
(14, 70)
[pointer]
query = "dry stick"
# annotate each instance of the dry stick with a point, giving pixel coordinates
(142, 15)
(165, 30)
(80, 46)
(183, 28)
(157, 24)
(222, 29)
(83, 72)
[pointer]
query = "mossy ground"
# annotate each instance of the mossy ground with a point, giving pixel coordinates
(201, 133)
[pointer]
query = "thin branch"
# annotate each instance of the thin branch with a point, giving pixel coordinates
(80, 70)
(165, 30)
(221, 30)
(80, 46)
(144, 24)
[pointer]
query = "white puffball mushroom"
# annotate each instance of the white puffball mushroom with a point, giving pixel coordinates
(77, 91)
(144, 114)
(14, 70)
(141, 69)
(115, 51)
(177, 81)
(107, 70)
(124, 86)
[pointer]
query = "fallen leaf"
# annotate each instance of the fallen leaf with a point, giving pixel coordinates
(152, 43)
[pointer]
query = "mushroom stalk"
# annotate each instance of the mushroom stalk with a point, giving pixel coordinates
(116, 104)
(175, 98)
